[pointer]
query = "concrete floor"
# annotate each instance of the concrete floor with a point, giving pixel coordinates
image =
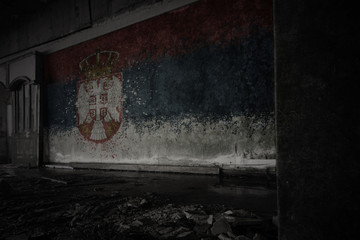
(64, 185)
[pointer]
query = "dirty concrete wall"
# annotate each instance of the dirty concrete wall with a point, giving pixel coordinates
(3, 115)
(3, 123)
(192, 86)
(318, 123)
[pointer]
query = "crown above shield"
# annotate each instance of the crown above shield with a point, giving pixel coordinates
(98, 64)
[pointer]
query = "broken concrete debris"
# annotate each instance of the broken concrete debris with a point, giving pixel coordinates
(49, 209)
(224, 237)
(54, 180)
(122, 216)
(221, 226)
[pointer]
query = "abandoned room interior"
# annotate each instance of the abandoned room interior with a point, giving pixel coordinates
(179, 119)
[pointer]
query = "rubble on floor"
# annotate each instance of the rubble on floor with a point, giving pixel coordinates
(41, 210)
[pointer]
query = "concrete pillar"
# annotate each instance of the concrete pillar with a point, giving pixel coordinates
(318, 128)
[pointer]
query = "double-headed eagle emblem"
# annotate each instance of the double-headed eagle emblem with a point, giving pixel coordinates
(99, 112)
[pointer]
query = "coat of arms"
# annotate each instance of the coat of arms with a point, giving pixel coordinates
(99, 97)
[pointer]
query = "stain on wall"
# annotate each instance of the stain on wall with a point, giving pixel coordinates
(196, 89)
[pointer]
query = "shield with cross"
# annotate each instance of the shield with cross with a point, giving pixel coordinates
(99, 108)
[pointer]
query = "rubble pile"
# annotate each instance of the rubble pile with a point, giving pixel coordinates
(35, 213)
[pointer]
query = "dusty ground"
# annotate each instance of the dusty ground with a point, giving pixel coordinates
(69, 204)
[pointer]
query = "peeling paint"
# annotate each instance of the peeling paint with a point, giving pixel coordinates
(185, 141)
(196, 89)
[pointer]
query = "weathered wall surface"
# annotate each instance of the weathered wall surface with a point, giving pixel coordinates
(3, 117)
(3, 121)
(195, 88)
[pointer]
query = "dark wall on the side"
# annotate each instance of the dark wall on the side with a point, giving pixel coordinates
(3, 138)
(318, 128)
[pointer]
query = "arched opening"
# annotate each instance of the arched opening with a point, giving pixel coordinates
(21, 104)
(23, 122)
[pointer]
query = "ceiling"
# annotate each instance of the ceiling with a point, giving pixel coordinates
(13, 12)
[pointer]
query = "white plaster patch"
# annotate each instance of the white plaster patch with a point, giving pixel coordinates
(240, 141)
